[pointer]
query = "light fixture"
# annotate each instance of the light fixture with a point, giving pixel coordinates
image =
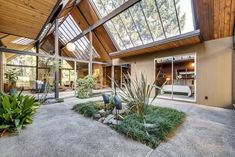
(70, 46)
(193, 64)
(168, 79)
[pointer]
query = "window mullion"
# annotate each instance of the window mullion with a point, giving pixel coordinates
(114, 26)
(128, 33)
(135, 26)
(177, 16)
(146, 21)
(160, 18)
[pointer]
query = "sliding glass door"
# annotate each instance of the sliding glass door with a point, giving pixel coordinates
(163, 71)
(176, 76)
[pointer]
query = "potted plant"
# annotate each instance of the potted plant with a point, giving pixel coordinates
(11, 75)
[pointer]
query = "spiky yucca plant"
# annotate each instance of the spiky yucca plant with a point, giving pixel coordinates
(136, 92)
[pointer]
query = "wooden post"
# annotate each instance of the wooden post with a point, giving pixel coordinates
(37, 51)
(1, 72)
(56, 60)
(233, 77)
(112, 76)
(75, 77)
(90, 55)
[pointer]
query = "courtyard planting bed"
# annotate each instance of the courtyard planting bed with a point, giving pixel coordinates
(154, 127)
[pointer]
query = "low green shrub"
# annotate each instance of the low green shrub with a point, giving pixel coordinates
(164, 121)
(16, 111)
(87, 109)
(84, 86)
(100, 106)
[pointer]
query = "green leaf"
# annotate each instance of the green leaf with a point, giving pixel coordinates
(4, 126)
(7, 117)
(6, 103)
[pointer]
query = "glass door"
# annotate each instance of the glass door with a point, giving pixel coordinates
(176, 76)
(163, 76)
(184, 77)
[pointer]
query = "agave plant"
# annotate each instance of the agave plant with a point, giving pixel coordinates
(16, 111)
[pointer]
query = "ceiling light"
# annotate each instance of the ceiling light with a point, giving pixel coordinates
(70, 46)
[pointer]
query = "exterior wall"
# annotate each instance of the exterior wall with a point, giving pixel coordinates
(213, 68)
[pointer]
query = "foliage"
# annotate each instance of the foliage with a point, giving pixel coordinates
(50, 66)
(11, 75)
(87, 109)
(127, 35)
(164, 121)
(59, 100)
(100, 106)
(136, 92)
(85, 86)
(16, 111)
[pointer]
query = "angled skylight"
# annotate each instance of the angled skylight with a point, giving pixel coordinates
(23, 41)
(67, 31)
(146, 21)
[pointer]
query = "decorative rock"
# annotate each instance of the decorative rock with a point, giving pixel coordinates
(101, 119)
(101, 111)
(108, 119)
(115, 122)
(97, 116)
(147, 125)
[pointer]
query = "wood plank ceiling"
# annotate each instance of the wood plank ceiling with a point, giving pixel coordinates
(24, 17)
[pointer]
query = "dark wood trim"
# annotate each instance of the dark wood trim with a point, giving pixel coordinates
(4, 36)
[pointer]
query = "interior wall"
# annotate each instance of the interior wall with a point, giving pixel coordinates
(213, 68)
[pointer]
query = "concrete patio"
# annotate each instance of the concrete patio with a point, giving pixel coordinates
(58, 131)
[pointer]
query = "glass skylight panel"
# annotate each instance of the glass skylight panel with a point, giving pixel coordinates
(131, 28)
(184, 8)
(168, 15)
(23, 41)
(153, 19)
(147, 21)
(114, 33)
(141, 24)
(68, 30)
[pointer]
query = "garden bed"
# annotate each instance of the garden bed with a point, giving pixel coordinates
(159, 122)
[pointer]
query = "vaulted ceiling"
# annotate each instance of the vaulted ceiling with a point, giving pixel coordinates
(214, 19)
(24, 17)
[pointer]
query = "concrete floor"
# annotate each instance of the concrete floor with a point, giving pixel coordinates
(57, 131)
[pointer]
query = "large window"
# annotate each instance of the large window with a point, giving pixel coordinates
(177, 77)
(146, 21)
(69, 30)
(25, 67)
